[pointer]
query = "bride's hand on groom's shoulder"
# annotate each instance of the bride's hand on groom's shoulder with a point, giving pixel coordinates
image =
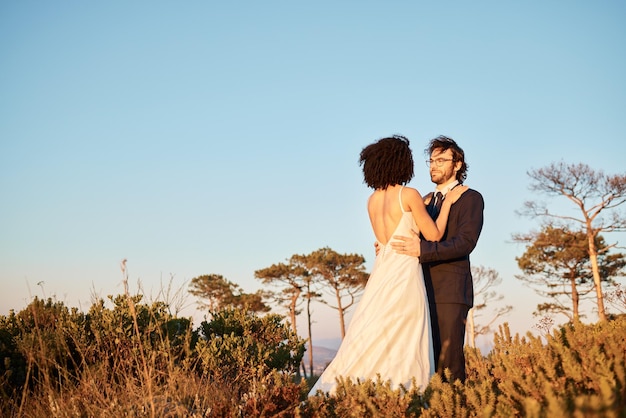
(454, 194)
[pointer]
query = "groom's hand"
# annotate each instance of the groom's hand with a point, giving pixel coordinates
(407, 245)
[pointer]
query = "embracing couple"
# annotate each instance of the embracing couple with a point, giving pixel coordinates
(410, 322)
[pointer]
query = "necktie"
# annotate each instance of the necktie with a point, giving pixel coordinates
(437, 205)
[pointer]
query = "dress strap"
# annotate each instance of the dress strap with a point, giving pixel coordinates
(400, 199)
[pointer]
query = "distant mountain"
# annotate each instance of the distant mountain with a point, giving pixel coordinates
(321, 357)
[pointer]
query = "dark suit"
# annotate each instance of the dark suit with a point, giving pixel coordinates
(448, 280)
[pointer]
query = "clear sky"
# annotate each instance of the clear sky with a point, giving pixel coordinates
(206, 137)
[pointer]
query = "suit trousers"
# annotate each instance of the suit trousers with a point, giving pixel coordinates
(448, 326)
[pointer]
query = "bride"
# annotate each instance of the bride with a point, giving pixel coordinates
(389, 334)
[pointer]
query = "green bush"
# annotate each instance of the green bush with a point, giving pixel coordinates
(580, 370)
(255, 357)
(365, 399)
(239, 342)
(109, 337)
(37, 346)
(136, 359)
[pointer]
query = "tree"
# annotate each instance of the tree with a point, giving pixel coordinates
(617, 299)
(556, 263)
(484, 281)
(309, 296)
(293, 278)
(592, 192)
(342, 274)
(220, 293)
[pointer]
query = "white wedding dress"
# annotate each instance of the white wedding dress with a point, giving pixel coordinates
(390, 330)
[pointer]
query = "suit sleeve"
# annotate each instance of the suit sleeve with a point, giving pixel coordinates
(464, 226)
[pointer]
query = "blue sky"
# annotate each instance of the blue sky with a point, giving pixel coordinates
(203, 137)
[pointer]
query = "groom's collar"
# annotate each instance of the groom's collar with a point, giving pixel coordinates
(446, 189)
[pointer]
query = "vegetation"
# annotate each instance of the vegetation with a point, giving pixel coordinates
(215, 292)
(342, 275)
(556, 265)
(305, 278)
(592, 192)
(135, 359)
(485, 280)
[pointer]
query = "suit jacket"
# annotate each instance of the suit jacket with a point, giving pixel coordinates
(446, 263)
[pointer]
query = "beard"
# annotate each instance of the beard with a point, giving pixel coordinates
(440, 176)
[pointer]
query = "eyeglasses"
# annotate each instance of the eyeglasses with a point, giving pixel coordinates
(438, 161)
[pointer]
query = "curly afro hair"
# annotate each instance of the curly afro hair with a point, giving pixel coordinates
(387, 162)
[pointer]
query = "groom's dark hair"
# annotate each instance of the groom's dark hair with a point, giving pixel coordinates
(387, 162)
(443, 143)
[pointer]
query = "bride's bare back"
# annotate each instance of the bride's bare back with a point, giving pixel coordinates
(385, 212)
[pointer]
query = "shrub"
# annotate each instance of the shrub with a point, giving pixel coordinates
(241, 347)
(136, 359)
(38, 346)
(579, 371)
(369, 398)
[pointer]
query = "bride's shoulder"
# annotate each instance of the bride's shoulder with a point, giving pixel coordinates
(410, 194)
(410, 191)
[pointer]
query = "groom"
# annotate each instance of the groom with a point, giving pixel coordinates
(446, 263)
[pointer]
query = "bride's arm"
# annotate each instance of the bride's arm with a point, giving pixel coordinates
(428, 228)
(432, 231)
(452, 196)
